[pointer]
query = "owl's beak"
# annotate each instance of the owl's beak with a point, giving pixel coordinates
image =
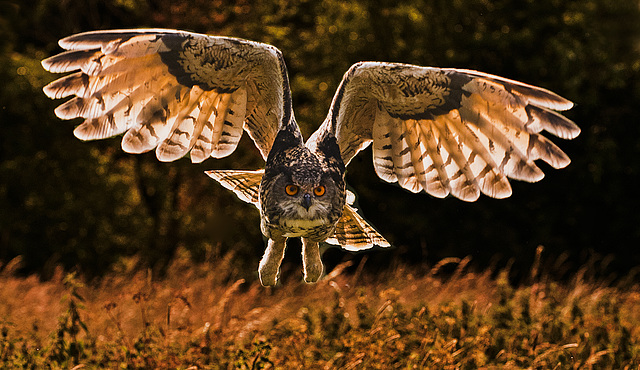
(306, 201)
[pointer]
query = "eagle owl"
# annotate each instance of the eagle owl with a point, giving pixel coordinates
(443, 131)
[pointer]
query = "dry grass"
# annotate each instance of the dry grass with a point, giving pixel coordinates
(205, 317)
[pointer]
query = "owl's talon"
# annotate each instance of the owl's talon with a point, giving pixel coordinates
(311, 261)
(268, 278)
(313, 275)
(269, 268)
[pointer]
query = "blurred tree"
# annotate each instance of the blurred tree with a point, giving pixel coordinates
(85, 205)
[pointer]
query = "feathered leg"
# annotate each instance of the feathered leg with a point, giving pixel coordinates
(269, 268)
(311, 262)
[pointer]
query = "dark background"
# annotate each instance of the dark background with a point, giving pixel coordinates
(85, 206)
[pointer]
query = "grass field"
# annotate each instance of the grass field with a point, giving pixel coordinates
(205, 317)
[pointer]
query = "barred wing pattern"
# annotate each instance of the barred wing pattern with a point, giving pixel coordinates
(244, 184)
(447, 131)
(352, 232)
(175, 91)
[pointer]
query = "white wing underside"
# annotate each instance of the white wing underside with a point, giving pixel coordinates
(447, 131)
(182, 103)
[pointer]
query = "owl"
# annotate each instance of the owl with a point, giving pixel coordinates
(442, 131)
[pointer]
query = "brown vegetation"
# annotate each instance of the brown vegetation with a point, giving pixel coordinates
(203, 316)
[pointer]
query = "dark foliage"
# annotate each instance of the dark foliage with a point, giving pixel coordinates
(84, 205)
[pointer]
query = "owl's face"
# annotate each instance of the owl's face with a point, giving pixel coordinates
(300, 198)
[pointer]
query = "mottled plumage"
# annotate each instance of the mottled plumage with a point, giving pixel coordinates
(442, 131)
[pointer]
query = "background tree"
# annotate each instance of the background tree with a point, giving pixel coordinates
(85, 205)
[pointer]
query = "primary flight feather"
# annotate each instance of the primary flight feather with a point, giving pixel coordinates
(442, 131)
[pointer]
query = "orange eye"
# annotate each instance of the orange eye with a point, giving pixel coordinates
(319, 191)
(291, 189)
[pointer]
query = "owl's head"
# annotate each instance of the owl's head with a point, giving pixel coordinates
(300, 188)
(302, 192)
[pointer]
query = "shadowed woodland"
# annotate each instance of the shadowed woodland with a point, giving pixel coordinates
(85, 205)
(166, 250)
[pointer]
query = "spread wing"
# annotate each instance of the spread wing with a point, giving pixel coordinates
(447, 131)
(177, 92)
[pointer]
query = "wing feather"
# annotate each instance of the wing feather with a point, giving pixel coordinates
(412, 136)
(534, 95)
(382, 148)
(70, 60)
(180, 139)
(245, 184)
(401, 155)
(438, 184)
(203, 131)
(353, 233)
(462, 181)
(175, 91)
(447, 131)
(155, 120)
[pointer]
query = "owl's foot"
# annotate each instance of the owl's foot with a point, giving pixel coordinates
(311, 261)
(269, 268)
(268, 277)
